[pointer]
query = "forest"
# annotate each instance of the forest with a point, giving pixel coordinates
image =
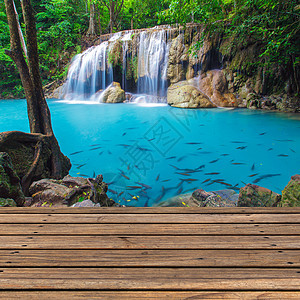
(64, 26)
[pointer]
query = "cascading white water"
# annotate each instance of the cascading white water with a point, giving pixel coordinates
(89, 72)
(152, 63)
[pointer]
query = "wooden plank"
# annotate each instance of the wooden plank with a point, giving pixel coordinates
(150, 258)
(150, 229)
(150, 242)
(148, 218)
(152, 295)
(150, 278)
(151, 210)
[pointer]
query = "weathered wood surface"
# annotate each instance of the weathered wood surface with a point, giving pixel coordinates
(150, 253)
(136, 218)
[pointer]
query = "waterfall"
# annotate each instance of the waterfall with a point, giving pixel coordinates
(89, 72)
(137, 59)
(152, 63)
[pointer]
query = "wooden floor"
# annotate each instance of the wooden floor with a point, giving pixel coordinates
(150, 253)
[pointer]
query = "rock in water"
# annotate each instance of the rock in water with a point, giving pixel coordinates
(253, 195)
(69, 191)
(185, 95)
(113, 94)
(291, 193)
(10, 187)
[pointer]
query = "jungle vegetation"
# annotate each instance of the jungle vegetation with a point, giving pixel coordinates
(62, 25)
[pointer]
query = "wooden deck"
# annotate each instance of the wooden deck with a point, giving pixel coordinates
(150, 253)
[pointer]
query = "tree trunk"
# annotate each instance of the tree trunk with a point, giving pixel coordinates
(37, 108)
(92, 25)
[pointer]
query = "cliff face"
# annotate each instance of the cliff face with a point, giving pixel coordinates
(181, 64)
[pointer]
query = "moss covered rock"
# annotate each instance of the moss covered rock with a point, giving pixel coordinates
(7, 202)
(253, 195)
(9, 181)
(291, 193)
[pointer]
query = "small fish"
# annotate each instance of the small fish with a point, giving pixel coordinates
(100, 153)
(120, 194)
(237, 142)
(171, 157)
(166, 180)
(126, 177)
(224, 183)
(109, 152)
(270, 149)
(206, 180)
(193, 143)
(184, 174)
(80, 166)
(188, 179)
(253, 167)
(237, 163)
(113, 191)
(180, 158)
(283, 155)
(144, 185)
(292, 150)
(179, 191)
(252, 175)
(213, 161)
(133, 187)
(124, 133)
(95, 148)
(75, 152)
(94, 174)
(157, 178)
(200, 167)
(242, 148)
(151, 140)
(95, 145)
(199, 148)
(263, 133)
(123, 145)
(224, 154)
(174, 167)
(212, 173)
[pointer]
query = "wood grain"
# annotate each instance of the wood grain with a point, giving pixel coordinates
(150, 258)
(150, 242)
(151, 295)
(150, 278)
(148, 218)
(150, 229)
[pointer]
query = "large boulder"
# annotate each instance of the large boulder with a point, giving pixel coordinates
(291, 193)
(184, 95)
(253, 195)
(10, 187)
(113, 94)
(214, 85)
(69, 191)
(49, 192)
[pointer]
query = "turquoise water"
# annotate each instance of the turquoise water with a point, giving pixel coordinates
(156, 152)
